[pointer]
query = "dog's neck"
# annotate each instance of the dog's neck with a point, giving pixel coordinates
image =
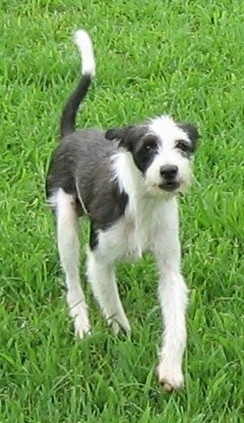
(144, 212)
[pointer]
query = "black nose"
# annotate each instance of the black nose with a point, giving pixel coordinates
(168, 171)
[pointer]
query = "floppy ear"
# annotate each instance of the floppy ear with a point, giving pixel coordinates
(191, 131)
(123, 135)
(112, 133)
(118, 133)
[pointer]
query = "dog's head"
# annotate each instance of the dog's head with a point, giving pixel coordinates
(162, 151)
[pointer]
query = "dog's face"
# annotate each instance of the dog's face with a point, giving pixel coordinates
(161, 150)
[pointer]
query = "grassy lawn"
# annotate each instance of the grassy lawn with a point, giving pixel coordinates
(180, 57)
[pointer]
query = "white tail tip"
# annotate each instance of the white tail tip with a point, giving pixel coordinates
(84, 44)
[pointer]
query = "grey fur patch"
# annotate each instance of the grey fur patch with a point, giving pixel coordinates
(137, 140)
(83, 160)
(191, 131)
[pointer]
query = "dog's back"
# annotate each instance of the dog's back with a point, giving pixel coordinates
(74, 167)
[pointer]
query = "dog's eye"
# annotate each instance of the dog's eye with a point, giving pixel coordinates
(150, 145)
(183, 146)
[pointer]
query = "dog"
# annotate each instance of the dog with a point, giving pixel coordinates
(125, 181)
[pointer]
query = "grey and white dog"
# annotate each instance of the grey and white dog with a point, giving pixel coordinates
(125, 180)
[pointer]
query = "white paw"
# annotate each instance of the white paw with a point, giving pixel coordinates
(170, 376)
(81, 321)
(82, 329)
(119, 324)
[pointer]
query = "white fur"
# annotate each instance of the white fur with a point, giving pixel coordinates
(102, 278)
(84, 44)
(68, 245)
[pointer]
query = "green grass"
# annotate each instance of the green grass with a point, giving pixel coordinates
(180, 57)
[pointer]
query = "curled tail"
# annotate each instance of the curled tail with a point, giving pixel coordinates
(84, 44)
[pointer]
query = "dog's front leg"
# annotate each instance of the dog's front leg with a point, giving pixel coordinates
(173, 300)
(101, 276)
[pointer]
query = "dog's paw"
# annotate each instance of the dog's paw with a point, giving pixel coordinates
(170, 377)
(79, 316)
(81, 328)
(119, 325)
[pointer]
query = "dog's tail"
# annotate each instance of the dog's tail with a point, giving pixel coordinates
(84, 44)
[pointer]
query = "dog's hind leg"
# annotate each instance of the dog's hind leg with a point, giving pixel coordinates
(68, 246)
(102, 279)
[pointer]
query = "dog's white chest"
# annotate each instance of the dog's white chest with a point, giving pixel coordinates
(120, 242)
(127, 239)
(133, 239)
(138, 231)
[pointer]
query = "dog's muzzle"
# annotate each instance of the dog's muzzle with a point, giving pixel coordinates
(169, 177)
